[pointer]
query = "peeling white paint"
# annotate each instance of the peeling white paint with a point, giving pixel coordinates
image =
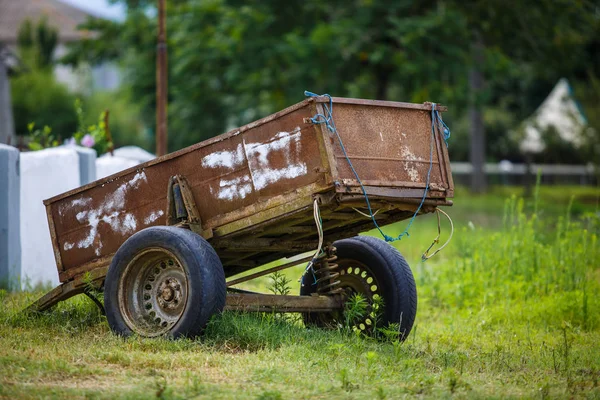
(92, 221)
(231, 189)
(225, 158)
(282, 141)
(81, 202)
(153, 217)
(75, 203)
(409, 155)
(109, 213)
(262, 173)
(129, 223)
(412, 173)
(265, 176)
(68, 246)
(140, 176)
(409, 166)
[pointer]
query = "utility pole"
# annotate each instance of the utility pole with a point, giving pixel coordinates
(161, 82)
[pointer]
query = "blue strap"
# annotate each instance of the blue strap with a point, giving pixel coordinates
(436, 120)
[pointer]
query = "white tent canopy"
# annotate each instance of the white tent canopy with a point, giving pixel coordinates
(560, 111)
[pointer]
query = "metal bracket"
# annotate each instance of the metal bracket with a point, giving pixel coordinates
(326, 198)
(89, 293)
(181, 207)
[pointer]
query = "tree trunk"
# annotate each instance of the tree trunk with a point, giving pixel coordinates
(477, 129)
(383, 78)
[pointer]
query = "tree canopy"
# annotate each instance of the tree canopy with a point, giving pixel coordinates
(233, 61)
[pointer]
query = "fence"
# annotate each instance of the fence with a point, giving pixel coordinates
(507, 173)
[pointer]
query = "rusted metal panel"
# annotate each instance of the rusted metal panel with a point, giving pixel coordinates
(251, 181)
(54, 239)
(244, 170)
(388, 144)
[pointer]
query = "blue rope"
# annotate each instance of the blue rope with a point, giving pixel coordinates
(327, 119)
(436, 118)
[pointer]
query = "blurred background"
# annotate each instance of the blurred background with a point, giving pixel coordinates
(521, 79)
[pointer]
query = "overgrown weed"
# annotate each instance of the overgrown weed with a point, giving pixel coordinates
(532, 271)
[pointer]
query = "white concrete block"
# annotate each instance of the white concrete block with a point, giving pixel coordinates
(44, 174)
(108, 165)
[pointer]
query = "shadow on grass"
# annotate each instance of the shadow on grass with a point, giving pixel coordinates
(250, 332)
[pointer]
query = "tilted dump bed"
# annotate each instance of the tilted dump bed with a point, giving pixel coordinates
(254, 186)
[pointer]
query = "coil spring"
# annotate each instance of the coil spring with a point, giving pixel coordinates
(327, 273)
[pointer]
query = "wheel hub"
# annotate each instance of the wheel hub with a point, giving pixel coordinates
(169, 293)
(154, 289)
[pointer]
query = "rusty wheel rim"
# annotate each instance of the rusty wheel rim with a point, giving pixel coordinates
(153, 292)
(357, 278)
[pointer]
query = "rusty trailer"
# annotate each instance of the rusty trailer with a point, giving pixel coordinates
(168, 239)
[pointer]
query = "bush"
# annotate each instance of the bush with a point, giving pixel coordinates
(124, 121)
(38, 97)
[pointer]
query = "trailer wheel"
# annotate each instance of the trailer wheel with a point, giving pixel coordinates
(163, 281)
(376, 270)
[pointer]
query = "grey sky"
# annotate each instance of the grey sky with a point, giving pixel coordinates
(99, 7)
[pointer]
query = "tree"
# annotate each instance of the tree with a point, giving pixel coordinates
(37, 44)
(36, 95)
(233, 61)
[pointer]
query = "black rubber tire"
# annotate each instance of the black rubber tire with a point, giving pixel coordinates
(391, 271)
(201, 264)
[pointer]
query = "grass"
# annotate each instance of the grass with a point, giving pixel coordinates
(508, 310)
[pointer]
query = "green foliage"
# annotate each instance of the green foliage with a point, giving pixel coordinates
(534, 271)
(37, 43)
(125, 122)
(280, 284)
(94, 136)
(41, 138)
(355, 309)
(36, 96)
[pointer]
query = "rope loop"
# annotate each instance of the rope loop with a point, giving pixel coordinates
(436, 119)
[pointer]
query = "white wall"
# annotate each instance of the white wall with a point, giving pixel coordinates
(44, 174)
(124, 157)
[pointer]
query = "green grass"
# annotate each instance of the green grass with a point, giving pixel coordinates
(509, 310)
